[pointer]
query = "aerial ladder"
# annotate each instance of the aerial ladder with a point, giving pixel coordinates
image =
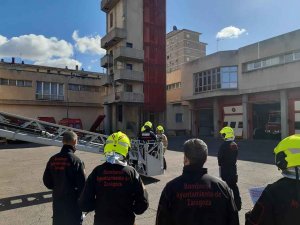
(145, 157)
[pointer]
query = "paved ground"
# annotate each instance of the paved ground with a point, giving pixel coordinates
(24, 199)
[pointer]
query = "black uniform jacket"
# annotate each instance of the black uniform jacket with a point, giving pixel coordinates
(278, 204)
(116, 193)
(227, 157)
(147, 135)
(196, 198)
(65, 175)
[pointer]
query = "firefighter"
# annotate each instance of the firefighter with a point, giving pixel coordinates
(146, 133)
(160, 134)
(114, 190)
(65, 175)
(196, 197)
(227, 158)
(280, 202)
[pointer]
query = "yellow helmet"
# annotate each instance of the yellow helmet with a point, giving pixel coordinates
(227, 132)
(287, 152)
(148, 124)
(117, 142)
(160, 128)
(143, 129)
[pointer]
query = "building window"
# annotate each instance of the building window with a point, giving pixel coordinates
(128, 88)
(49, 91)
(129, 66)
(272, 61)
(179, 118)
(173, 86)
(229, 77)
(18, 83)
(129, 45)
(111, 20)
(217, 78)
(88, 88)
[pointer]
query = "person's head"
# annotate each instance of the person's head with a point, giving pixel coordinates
(117, 143)
(195, 152)
(287, 152)
(227, 133)
(70, 138)
(148, 125)
(160, 129)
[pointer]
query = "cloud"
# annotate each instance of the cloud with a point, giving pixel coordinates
(230, 32)
(61, 63)
(88, 44)
(94, 61)
(2, 40)
(35, 47)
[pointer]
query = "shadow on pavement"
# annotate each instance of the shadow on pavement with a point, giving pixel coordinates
(19, 145)
(149, 180)
(260, 151)
(25, 200)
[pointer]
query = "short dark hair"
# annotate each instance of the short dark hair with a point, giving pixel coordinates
(196, 151)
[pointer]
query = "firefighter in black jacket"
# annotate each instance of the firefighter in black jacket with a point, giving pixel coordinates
(146, 133)
(114, 190)
(227, 158)
(195, 197)
(65, 175)
(279, 203)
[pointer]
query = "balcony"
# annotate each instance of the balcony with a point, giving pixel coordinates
(105, 80)
(125, 97)
(113, 37)
(129, 75)
(106, 61)
(107, 5)
(129, 54)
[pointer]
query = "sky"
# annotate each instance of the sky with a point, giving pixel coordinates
(68, 32)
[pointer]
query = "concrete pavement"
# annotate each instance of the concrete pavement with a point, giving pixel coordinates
(22, 167)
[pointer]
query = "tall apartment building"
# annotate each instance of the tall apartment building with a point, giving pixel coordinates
(135, 63)
(183, 46)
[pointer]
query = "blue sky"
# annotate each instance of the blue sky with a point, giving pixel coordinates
(71, 29)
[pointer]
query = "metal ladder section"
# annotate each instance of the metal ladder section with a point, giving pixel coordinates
(14, 127)
(145, 157)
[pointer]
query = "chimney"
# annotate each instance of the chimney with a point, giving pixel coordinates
(13, 60)
(76, 67)
(2, 60)
(22, 62)
(66, 67)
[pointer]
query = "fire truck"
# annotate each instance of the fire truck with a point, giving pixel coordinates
(145, 157)
(273, 126)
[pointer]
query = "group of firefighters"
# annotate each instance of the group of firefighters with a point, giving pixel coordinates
(115, 191)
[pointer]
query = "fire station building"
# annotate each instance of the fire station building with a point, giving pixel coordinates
(255, 89)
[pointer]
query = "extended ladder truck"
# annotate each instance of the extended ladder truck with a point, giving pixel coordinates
(145, 157)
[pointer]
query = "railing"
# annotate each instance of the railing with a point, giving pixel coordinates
(124, 53)
(131, 75)
(107, 5)
(113, 37)
(123, 96)
(106, 61)
(105, 80)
